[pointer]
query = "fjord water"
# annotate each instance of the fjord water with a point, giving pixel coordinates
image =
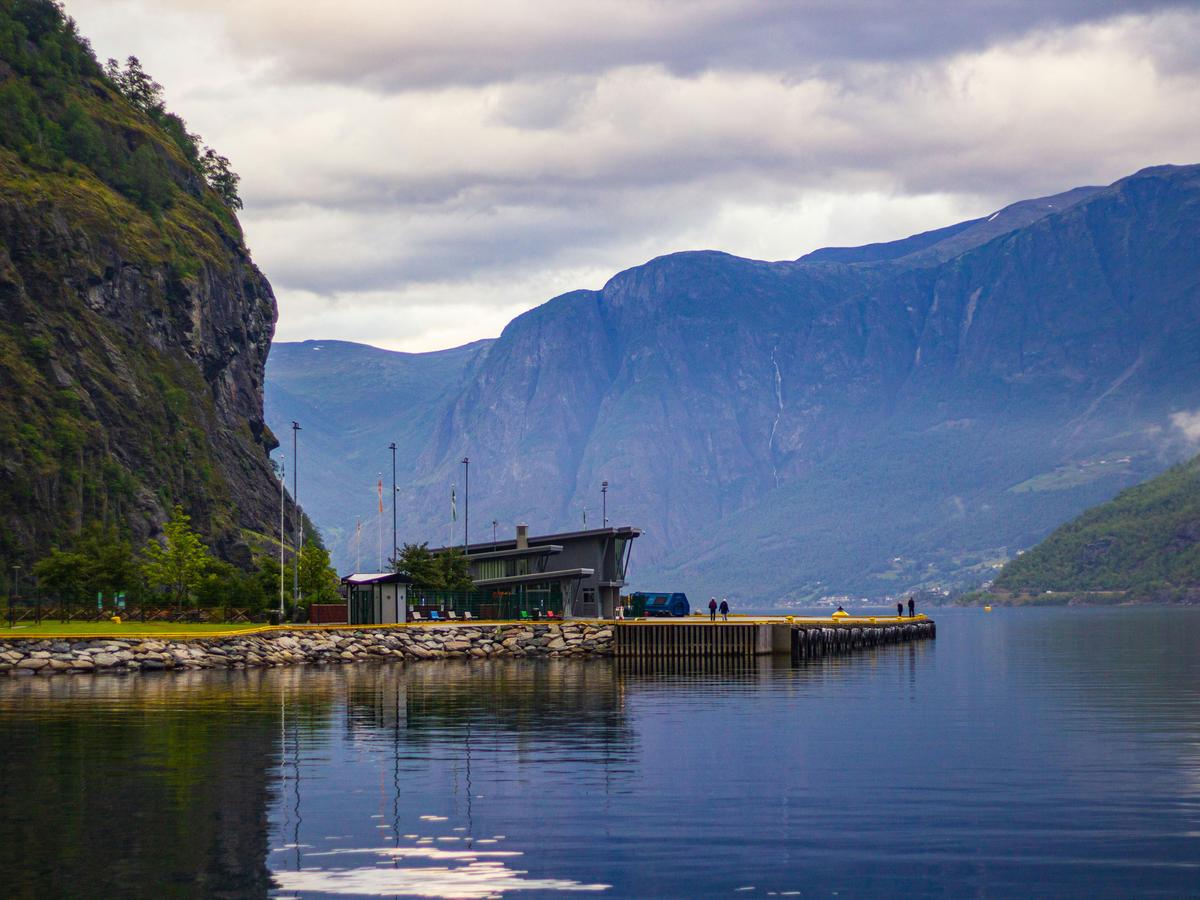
(1047, 752)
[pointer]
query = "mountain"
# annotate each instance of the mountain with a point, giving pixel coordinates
(134, 326)
(352, 401)
(1143, 545)
(862, 420)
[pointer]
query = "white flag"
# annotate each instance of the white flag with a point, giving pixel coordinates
(453, 504)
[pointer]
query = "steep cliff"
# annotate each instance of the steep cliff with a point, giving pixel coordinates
(861, 420)
(134, 327)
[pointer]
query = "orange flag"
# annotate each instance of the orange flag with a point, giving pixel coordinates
(381, 495)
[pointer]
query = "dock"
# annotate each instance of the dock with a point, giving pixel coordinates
(802, 638)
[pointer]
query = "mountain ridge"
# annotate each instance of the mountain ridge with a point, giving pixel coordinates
(717, 394)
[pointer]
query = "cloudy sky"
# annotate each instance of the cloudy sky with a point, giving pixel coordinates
(416, 174)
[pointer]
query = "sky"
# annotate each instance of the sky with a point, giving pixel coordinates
(415, 175)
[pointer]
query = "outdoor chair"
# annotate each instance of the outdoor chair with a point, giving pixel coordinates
(467, 615)
(524, 614)
(416, 616)
(451, 614)
(434, 617)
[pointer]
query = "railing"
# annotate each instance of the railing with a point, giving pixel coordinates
(33, 610)
(485, 604)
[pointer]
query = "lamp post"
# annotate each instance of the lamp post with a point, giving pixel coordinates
(604, 502)
(466, 461)
(494, 523)
(299, 518)
(282, 534)
(392, 447)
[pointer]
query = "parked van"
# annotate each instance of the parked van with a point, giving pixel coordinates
(647, 603)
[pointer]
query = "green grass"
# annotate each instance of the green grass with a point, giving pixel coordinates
(125, 629)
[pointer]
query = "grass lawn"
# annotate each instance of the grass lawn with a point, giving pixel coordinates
(125, 629)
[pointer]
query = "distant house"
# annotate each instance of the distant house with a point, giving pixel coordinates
(579, 573)
(379, 598)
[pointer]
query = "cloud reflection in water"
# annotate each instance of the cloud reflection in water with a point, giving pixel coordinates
(470, 875)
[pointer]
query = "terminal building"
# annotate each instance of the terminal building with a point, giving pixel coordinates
(578, 574)
(574, 574)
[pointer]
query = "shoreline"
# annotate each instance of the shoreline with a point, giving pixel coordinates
(273, 646)
(281, 646)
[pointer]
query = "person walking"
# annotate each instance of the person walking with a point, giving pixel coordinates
(712, 609)
(899, 609)
(912, 607)
(724, 609)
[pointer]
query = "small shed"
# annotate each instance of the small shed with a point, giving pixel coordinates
(376, 598)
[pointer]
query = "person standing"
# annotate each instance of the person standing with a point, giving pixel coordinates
(912, 607)
(724, 609)
(712, 609)
(899, 609)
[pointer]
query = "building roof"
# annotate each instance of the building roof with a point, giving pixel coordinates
(376, 578)
(618, 531)
(543, 550)
(535, 576)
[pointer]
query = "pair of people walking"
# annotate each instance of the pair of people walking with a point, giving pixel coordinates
(713, 609)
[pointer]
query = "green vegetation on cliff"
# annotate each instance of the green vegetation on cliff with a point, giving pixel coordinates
(134, 326)
(1143, 545)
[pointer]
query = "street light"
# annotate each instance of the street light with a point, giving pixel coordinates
(282, 534)
(392, 447)
(299, 518)
(604, 501)
(466, 461)
(494, 523)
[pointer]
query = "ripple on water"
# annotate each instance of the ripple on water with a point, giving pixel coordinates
(470, 875)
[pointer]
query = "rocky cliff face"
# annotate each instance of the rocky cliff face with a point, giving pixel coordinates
(134, 329)
(862, 420)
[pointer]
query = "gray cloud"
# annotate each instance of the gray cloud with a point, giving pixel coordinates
(413, 176)
(405, 46)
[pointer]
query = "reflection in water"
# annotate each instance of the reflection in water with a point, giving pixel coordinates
(1053, 752)
(125, 787)
(471, 874)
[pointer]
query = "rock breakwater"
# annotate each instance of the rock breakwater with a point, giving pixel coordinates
(53, 656)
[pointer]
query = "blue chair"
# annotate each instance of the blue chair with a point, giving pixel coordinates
(434, 617)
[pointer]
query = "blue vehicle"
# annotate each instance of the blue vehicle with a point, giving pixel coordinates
(646, 603)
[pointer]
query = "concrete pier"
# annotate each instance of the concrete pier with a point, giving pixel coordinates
(802, 638)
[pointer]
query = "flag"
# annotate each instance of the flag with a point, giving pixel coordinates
(453, 504)
(381, 495)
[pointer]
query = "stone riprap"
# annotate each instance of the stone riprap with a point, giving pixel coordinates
(53, 656)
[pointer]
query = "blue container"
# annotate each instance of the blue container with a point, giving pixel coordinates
(646, 603)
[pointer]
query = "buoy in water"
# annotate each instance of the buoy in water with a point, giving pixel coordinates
(987, 609)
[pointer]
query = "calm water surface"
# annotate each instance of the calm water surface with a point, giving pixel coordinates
(1042, 752)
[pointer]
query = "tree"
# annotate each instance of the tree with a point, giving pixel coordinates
(318, 581)
(99, 564)
(419, 564)
(108, 566)
(221, 177)
(61, 572)
(135, 84)
(445, 571)
(179, 561)
(453, 571)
